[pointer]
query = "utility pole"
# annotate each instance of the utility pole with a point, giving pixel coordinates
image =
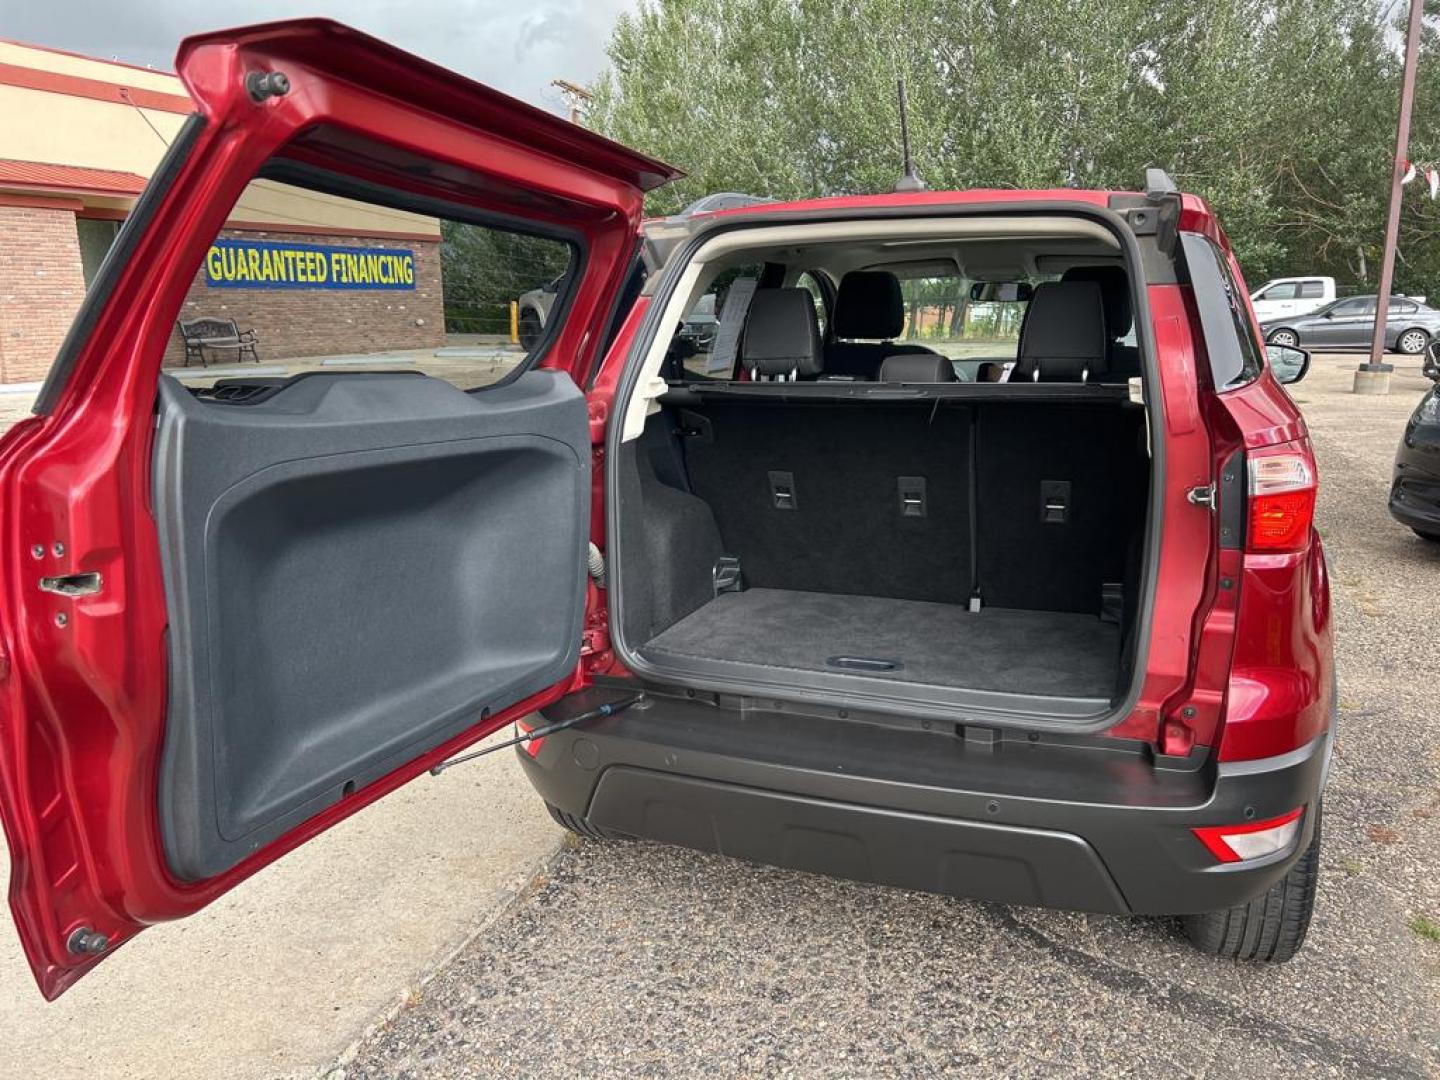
(1374, 377)
(574, 94)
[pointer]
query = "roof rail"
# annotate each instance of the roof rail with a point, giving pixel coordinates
(1159, 183)
(722, 200)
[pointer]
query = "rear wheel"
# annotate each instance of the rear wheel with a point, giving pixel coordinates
(1285, 337)
(1271, 928)
(1413, 342)
(579, 826)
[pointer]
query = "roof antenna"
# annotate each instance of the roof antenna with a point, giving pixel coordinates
(910, 181)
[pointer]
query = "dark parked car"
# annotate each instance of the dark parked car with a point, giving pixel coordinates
(1350, 324)
(1062, 640)
(701, 324)
(1415, 486)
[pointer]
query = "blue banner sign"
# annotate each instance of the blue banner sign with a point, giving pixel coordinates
(266, 264)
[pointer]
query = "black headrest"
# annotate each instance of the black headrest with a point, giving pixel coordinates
(1114, 294)
(869, 305)
(917, 368)
(1063, 335)
(781, 333)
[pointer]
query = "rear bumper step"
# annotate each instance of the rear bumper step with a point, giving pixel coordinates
(1054, 824)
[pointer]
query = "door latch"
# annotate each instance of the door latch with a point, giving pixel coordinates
(1203, 496)
(72, 584)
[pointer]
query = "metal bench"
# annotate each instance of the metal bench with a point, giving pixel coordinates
(219, 335)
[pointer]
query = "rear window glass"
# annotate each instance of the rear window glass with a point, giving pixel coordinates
(302, 279)
(1229, 334)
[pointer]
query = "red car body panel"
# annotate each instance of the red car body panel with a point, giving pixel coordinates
(82, 704)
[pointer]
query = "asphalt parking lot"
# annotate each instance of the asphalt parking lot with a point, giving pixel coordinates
(633, 959)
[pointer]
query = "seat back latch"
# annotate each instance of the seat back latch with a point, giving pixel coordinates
(782, 490)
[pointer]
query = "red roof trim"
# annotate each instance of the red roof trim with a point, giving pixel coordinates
(68, 179)
(54, 82)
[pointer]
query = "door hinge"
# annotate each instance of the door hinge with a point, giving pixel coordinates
(1203, 496)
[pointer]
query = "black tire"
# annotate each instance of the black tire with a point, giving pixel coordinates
(1412, 342)
(1425, 534)
(1271, 928)
(1284, 336)
(579, 826)
(530, 329)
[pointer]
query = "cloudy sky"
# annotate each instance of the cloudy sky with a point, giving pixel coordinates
(514, 45)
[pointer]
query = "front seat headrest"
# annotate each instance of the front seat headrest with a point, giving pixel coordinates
(782, 334)
(1114, 285)
(1062, 338)
(869, 306)
(917, 368)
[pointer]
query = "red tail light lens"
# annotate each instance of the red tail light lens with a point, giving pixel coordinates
(1282, 500)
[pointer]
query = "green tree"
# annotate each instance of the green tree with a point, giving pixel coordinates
(1279, 112)
(484, 269)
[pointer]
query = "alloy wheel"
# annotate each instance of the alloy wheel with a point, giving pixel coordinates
(1412, 342)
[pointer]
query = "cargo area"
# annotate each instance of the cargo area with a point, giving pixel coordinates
(991, 545)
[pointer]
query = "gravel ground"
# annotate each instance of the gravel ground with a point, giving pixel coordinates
(635, 959)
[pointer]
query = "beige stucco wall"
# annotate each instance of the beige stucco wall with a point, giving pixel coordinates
(37, 125)
(12, 52)
(280, 204)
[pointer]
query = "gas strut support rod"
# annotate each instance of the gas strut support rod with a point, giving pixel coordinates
(608, 709)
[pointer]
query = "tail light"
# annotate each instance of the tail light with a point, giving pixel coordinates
(1282, 498)
(1252, 840)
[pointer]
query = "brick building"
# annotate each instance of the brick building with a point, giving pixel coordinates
(78, 139)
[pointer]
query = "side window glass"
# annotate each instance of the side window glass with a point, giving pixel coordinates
(302, 280)
(1281, 292)
(706, 344)
(1311, 290)
(809, 282)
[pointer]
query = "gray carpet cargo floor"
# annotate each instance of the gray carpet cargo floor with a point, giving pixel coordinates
(1032, 652)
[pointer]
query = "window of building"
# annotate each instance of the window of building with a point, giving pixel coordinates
(96, 237)
(305, 278)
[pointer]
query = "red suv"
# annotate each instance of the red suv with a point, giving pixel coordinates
(876, 587)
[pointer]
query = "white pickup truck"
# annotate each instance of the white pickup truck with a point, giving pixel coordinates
(1292, 296)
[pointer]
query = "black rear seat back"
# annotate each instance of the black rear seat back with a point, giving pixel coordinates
(869, 307)
(1122, 361)
(782, 335)
(1062, 338)
(917, 368)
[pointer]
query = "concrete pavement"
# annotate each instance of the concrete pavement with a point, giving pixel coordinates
(278, 977)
